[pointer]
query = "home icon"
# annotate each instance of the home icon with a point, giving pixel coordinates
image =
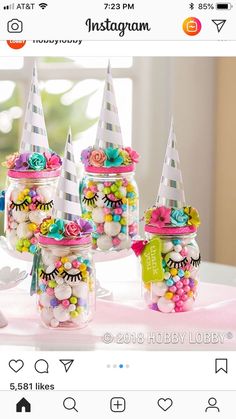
(23, 406)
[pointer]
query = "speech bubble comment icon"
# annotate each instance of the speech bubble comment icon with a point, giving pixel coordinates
(41, 366)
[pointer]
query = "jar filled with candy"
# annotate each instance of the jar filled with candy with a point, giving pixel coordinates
(66, 283)
(28, 200)
(180, 258)
(111, 201)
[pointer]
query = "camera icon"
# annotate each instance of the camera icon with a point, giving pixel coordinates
(15, 26)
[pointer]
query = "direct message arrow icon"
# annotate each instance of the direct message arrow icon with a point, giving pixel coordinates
(66, 363)
(219, 24)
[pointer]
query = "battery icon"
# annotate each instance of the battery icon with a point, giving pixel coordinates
(224, 6)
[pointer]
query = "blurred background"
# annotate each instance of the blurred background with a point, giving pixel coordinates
(200, 93)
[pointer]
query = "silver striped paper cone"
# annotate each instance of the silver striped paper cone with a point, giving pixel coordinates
(66, 199)
(34, 136)
(171, 189)
(109, 130)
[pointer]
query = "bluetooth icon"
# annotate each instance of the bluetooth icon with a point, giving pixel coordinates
(191, 6)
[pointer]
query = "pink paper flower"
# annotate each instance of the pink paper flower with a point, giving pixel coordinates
(160, 216)
(53, 161)
(133, 154)
(97, 158)
(72, 229)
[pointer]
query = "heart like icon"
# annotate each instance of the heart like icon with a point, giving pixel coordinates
(16, 365)
(165, 404)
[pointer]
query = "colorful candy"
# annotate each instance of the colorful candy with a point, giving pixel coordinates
(113, 206)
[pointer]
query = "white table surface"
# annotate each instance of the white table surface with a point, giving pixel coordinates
(125, 313)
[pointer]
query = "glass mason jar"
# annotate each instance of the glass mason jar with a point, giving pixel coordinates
(111, 201)
(180, 260)
(66, 285)
(28, 201)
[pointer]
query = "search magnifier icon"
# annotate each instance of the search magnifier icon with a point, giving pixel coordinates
(70, 404)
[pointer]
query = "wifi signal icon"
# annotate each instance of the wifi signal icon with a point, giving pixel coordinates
(43, 5)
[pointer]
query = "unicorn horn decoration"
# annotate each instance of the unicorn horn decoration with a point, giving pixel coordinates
(34, 136)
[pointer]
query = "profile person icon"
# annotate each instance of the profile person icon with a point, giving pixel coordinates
(212, 405)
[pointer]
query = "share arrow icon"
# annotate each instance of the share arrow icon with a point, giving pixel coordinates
(66, 363)
(219, 24)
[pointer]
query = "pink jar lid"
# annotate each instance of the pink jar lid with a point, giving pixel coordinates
(65, 242)
(33, 174)
(170, 231)
(109, 170)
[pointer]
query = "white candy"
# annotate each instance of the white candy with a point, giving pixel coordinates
(54, 323)
(176, 257)
(104, 242)
(37, 216)
(12, 238)
(112, 228)
(159, 288)
(167, 246)
(61, 314)
(47, 315)
(48, 258)
(46, 192)
(178, 248)
(44, 300)
(63, 292)
(67, 266)
(23, 231)
(80, 290)
(59, 280)
(99, 202)
(124, 244)
(165, 306)
(20, 216)
(60, 251)
(122, 190)
(16, 192)
(98, 215)
(50, 269)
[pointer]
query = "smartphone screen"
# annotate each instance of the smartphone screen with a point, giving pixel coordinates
(117, 209)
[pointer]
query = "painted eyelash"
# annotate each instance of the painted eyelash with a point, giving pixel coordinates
(90, 201)
(196, 262)
(110, 203)
(72, 278)
(49, 276)
(44, 207)
(19, 207)
(177, 265)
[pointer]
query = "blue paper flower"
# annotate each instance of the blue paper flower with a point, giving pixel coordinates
(114, 159)
(178, 217)
(56, 230)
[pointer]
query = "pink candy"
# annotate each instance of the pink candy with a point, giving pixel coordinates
(75, 264)
(58, 264)
(65, 303)
(116, 241)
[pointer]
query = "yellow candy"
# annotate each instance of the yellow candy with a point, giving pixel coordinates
(26, 191)
(74, 314)
(186, 274)
(64, 260)
(108, 217)
(82, 267)
(173, 272)
(21, 197)
(89, 194)
(169, 295)
(32, 227)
